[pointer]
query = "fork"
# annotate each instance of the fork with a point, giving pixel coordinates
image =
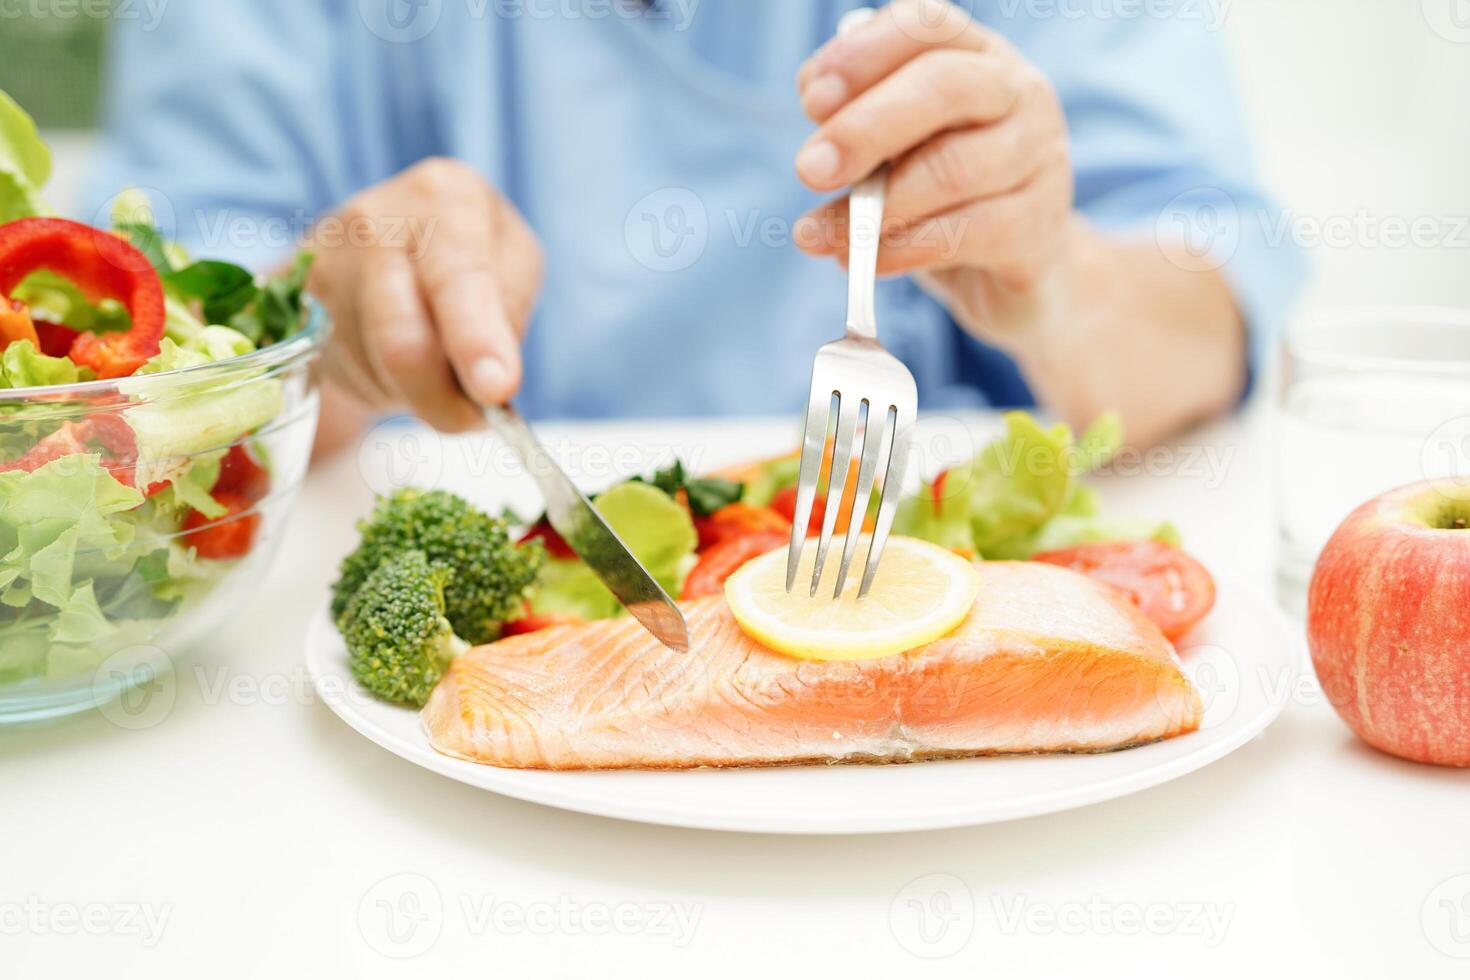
(868, 389)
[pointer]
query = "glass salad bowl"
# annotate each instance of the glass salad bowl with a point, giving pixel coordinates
(136, 513)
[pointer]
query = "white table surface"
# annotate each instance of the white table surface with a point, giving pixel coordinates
(246, 832)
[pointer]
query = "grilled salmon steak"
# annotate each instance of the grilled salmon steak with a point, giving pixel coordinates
(1047, 661)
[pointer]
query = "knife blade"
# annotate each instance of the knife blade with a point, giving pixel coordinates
(572, 515)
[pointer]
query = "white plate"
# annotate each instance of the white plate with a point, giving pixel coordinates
(1244, 659)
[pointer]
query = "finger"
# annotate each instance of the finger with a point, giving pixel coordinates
(403, 348)
(847, 66)
(950, 170)
(347, 362)
(457, 276)
(823, 230)
(938, 90)
(965, 165)
(1006, 234)
(519, 265)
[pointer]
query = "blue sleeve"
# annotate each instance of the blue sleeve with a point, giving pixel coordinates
(1159, 147)
(237, 120)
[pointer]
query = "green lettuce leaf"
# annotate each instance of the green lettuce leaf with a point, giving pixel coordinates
(653, 526)
(1068, 531)
(1022, 494)
(25, 163)
(66, 515)
(23, 366)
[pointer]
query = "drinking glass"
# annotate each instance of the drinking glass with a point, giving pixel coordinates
(1370, 400)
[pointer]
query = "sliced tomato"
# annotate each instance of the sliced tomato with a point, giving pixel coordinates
(538, 621)
(784, 503)
(721, 561)
(240, 473)
(227, 537)
(553, 542)
(736, 521)
(1171, 588)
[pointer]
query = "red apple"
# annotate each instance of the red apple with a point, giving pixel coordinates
(1388, 622)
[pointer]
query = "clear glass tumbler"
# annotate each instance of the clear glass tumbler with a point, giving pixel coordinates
(1370, 400)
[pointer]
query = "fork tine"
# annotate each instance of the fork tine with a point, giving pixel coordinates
(898, 461)
(848, 408)
(873, 438)
(813, 448)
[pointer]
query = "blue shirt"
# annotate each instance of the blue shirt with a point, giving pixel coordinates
(651, 150)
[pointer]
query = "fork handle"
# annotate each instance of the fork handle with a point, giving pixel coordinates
(865, 226)
(865, 229)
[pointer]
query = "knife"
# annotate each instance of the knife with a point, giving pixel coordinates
(586, 533)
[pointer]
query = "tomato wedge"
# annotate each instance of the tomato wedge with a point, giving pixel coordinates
(240, 473)
(1171, 588)
(227, 537)
(784, 503)
(550, 540)
(533, 622)
(736, 521)
(721, 561)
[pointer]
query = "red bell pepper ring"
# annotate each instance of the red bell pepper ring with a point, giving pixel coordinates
(102, 266)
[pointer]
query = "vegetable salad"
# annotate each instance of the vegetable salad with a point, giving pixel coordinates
(118, 507)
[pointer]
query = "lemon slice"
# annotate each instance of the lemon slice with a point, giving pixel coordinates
(920, 593)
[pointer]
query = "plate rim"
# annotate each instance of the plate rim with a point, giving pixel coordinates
(525, 785)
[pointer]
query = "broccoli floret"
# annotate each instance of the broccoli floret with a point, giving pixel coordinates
(399, 640)
(491, 574)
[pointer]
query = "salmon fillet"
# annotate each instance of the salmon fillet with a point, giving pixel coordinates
(1047, 661)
